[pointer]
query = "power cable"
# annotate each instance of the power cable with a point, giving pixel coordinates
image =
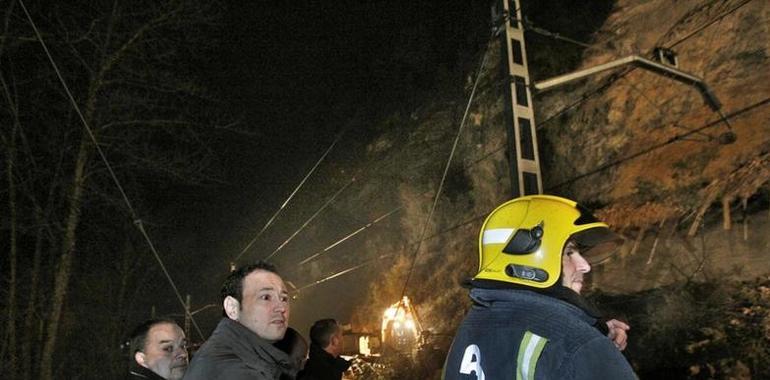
(708, 24)
(137, 221)
(679, 137)
(272, 218)
(532, 27)
(446, 168)
(340, 273)
(586, 96)
(318, 212)
(663, 115)
(350, 235)
(440, 233)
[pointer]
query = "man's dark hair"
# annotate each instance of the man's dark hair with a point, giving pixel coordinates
(138, 337)
(233, 285)
(322, 331)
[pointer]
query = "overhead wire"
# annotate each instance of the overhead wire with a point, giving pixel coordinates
(288, 199)
(137, 221)
(534, 28)
(384, 255)
(614, 77)
(709, 23)
(350, 235)
(343, 272)
(679, 137)
(428, 219)
(656, 107)
(312, 217)
(585, 97)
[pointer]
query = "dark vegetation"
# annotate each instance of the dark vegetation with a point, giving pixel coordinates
(715, 330)
(76, 273)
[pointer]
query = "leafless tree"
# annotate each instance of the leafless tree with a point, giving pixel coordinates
(127, 66)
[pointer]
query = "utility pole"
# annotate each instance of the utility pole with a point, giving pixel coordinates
(523, 155)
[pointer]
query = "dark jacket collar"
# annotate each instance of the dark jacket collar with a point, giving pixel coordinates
(246, 344)
(555, 291)
(139, 372)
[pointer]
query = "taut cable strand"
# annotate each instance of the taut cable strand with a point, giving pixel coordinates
(446, 169)
(272, 218)
(312, 217)
(350, 235)
(381, 256)
(103, 157)
(669, 141)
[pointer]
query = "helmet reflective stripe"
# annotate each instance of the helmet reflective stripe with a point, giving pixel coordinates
(497, 236)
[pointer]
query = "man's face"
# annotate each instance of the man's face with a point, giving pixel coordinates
(574, 266)
(336, 342)
(265, 305)
(165, 351)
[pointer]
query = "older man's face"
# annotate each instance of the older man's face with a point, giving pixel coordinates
(165, 351)
(264, 308)
(574, 266)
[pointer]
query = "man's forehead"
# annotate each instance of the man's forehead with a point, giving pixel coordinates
(263, 280)
(165, 331)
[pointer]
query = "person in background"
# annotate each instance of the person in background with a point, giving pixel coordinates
(158, 351)
(255, 306)
(295, 345)
(326, 346)
(528, 320)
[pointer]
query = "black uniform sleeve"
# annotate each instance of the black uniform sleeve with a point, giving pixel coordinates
(600, 359)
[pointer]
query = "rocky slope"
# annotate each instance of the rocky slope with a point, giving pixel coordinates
(643, 150)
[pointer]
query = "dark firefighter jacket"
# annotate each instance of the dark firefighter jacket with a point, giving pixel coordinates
(138, 372)
(521, 334)
(233, 352)
(323, 366)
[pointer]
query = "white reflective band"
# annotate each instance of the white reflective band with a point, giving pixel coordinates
(496, 236)
(529, 352)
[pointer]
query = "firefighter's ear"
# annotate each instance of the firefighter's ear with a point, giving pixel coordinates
(232, 307)
(139, 357)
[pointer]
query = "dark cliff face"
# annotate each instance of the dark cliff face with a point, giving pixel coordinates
(642, 149)
(647, 140)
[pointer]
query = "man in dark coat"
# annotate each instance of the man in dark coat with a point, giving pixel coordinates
(158, 351)
(256, 310)
(325, 362)
(295, 345)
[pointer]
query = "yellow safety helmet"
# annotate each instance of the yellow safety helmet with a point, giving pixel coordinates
(522, 240)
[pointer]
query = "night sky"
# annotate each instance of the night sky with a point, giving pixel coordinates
(292, 74)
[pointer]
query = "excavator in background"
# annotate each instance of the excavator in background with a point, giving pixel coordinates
(401, 329)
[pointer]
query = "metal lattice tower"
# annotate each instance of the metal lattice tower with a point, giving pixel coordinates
(522, 139)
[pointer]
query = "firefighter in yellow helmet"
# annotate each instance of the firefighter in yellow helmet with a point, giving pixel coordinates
(528, 320)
